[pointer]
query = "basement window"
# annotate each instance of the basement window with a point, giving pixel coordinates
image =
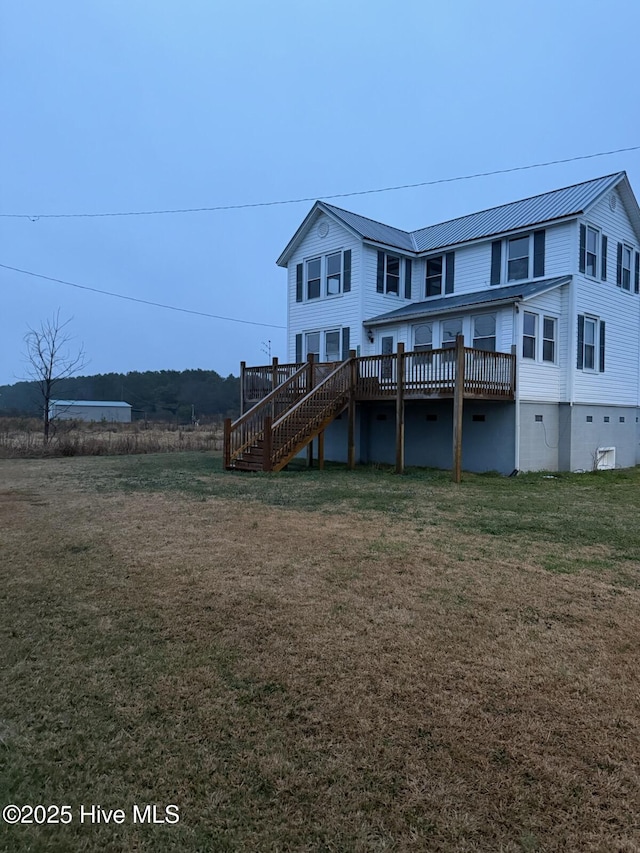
(607, 419)
(589, 419)
(622, 419)
(539, 419)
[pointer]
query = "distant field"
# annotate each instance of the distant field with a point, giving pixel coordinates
(335, 661)
(23, 438)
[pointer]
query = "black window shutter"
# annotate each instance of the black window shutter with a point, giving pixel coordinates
(346, 271)
(345, 342)
(619, 266)
(298, 349)
(380, 273)
(407, 278)
(299, 283)
(538, 253)
(580, 363)
(449, 274)
(603, 267)
(582, 260)
(601, 346)
(636, 275)
(496, 261)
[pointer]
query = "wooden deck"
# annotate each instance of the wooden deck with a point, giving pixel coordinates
(286, 406)
(425, 375)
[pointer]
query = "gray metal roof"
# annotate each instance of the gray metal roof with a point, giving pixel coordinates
(517, 215)
(111, 403)
(369, 229)
(558, 204)
(461, 301)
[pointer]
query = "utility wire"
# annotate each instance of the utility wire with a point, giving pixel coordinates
(141, 301)
(35, 217)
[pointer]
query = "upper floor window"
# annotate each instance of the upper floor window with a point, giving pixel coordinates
(529, 334)
(393, 275)
(593, 252)
(518, 258)
(333, 269)
(625, 255)
(439, 274)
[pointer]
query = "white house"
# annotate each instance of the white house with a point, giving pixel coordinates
(90, 410)
(551, 280)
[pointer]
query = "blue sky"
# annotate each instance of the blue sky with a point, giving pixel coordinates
(144, 104)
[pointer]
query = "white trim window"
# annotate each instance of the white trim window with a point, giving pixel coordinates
(324, 276)
(627, 255)
(451, 328)
(591, 251)
(332, 345)
(529, 334)
(549, 337)
(391, 274)
(312, 345)
(518, 250)
(484, 332)
(591, 344)
(518, 258)
(423, 337)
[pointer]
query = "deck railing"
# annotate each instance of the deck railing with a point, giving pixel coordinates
(307, 416)
(248, 430)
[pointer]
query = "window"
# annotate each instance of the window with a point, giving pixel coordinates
(392, 272)
(591, 344)
(423, 337)
(312, 345)
(484, 332)
(625, 278)
(324, 345)
(548, 339)
(439, 274)
(334, 274)
(333, 269)
(332, 345)
(518, 259)
(524, 257)
(451, 328)
(591, 260)
(529, 332)
(313, 278)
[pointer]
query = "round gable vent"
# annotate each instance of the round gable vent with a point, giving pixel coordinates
(613, 201)
(323, 229)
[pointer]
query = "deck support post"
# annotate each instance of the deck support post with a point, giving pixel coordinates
(400, 409)
(351, 414)
(243, 365)
(321, 451)
(267, 445)
(227, 442)
(458, 399)
(311, 375)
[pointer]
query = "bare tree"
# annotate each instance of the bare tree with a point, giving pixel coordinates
(50, 358)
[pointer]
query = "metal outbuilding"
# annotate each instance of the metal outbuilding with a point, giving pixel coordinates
(90, 410)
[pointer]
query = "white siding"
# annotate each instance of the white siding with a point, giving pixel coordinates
(620, 309)
(327, 312)
(537, 379)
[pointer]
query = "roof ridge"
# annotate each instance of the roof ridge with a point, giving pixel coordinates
(517, 201)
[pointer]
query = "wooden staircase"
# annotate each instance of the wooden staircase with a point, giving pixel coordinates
(258, 441)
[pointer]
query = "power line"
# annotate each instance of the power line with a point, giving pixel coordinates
(35, 217)
(141, 301)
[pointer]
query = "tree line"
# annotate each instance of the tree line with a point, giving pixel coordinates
(153, 394)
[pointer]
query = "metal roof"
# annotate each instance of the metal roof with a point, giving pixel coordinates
(490, 296)
(517, 215)
(369, 229)
(558, 204)
(111, 403)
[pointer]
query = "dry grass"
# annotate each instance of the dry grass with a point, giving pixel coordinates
(22, 438)
(325, 679)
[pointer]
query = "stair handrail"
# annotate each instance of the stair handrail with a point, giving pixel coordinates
(346, 368)
(259, 411)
